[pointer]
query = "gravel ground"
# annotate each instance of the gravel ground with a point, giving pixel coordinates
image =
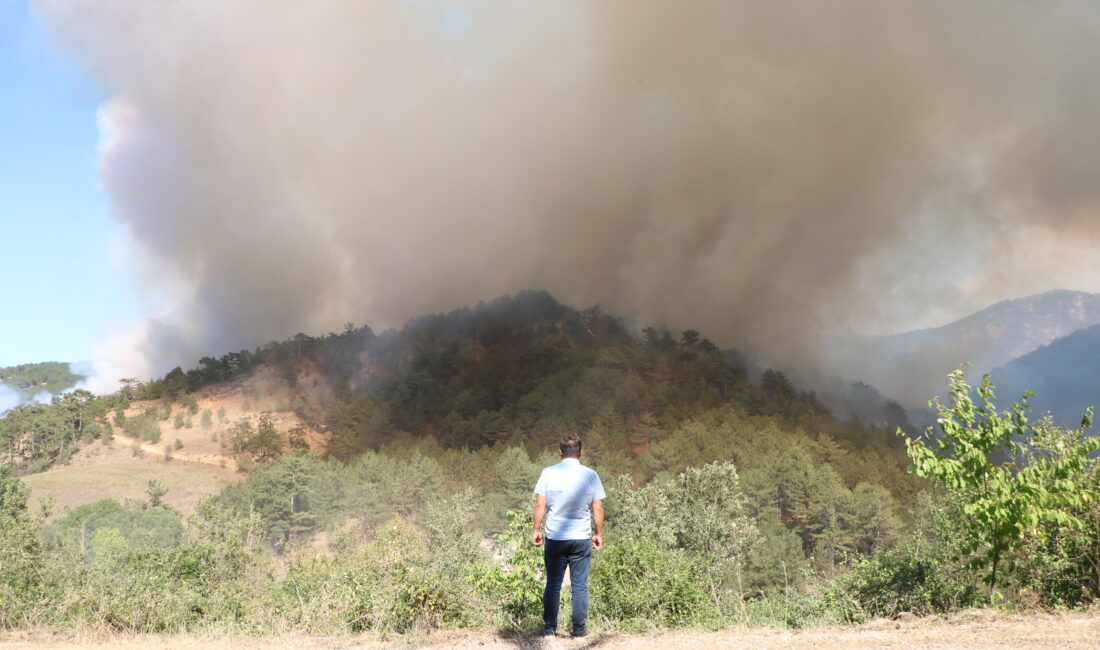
(980, 629)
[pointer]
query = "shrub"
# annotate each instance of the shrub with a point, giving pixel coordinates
(792, 608)
(638, 584)
(903, 579)
(517, 582)
(702, 511)
(401, 587)
(144, 426)
(20, 553)
(150, 590)
(138, 583)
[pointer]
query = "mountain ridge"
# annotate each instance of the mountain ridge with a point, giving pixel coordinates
(1064, 383)
(911, 366)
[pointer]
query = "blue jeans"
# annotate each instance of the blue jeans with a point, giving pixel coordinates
(577, 555)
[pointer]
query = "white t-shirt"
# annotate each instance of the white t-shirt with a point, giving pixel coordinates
(569, 488)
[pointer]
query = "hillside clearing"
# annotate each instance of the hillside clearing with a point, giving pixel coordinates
(200, 466)
(976, 629)
(113, 472)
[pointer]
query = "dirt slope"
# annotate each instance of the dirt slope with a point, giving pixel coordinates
(202, 465)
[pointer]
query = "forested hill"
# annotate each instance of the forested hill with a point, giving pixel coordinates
(522, 370)
(725, 493)
(31, 379)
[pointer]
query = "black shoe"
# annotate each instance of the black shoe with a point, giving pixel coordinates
(579, 633)
(546, 632)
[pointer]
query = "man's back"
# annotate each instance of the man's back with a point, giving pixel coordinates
(566, 491)
(569, 488)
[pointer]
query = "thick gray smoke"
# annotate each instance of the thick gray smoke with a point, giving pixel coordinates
(755, 170)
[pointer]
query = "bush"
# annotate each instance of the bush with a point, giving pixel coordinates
(792, 608)
(517, 582)
(144, 426)
(702, 511)
(20, 553)
(140, 584)
(900, 580)
(153, 590)
(637, 584)
(403, 589)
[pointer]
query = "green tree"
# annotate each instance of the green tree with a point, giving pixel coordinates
(514, 478)
(296, 438)
(20, 551)
(1004, 500)
(714, 522)
(283, 494)
(156, 491)
(239, 435)
(702, 511)
(690, 339)
(265, 442)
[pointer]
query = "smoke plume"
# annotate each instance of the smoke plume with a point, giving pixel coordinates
(754, 170)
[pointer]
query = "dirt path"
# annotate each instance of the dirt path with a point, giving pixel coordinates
(963, 631)
(149, 448)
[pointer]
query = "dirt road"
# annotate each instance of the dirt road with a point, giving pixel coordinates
(963, 631)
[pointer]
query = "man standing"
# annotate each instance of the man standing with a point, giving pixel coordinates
(564, 494)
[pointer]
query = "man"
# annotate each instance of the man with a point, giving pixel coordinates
(564, 494)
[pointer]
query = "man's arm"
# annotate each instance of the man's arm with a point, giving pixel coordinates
(540, 512)
(597, 519)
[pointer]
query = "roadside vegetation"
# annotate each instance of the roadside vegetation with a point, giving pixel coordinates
(733, 498)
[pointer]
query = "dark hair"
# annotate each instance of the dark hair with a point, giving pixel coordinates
(570, 446)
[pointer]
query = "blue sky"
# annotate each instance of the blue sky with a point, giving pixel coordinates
(62, 276)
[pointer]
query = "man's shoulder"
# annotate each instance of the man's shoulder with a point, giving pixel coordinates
(588, 470)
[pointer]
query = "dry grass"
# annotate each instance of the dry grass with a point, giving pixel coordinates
(113, 472)
(979, 629)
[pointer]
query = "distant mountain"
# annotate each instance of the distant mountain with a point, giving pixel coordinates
(1064, 376)
(912, 366)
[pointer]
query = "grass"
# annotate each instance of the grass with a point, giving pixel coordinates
(100, 472)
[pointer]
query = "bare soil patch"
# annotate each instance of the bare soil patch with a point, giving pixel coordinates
(969, 630)
(200, 466)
